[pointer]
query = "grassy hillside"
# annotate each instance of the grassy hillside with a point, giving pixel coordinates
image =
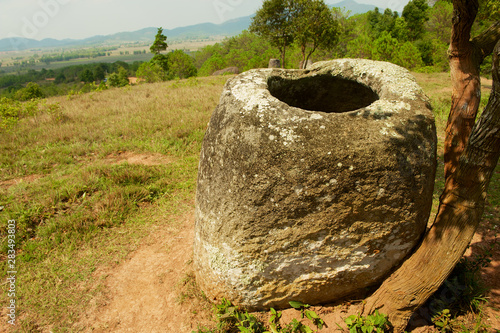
(77, 206)
(87, 183)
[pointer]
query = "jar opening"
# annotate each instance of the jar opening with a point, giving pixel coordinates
(324, 93)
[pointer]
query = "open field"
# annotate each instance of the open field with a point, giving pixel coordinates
(8, 58)
(103, 195)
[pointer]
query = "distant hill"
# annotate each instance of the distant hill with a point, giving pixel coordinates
(198, 31)
(353, 6)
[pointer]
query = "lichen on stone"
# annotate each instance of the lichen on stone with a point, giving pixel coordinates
(300, 197)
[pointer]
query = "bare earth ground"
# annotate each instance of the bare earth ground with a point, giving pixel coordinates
(144, 294)
(153, 291)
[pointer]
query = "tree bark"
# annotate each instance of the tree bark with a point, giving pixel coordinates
(466, 85)
(460, 211)
(283, 55)
(465, 58)
(471, 154)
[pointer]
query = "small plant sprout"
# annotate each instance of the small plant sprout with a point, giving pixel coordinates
(375, 322)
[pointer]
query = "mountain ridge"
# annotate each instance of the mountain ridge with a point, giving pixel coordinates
(353, 6)
(198, 31)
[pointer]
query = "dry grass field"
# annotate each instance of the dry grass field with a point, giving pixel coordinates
(102, 191)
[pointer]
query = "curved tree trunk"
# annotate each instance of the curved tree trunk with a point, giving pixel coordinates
(471, 154)
(459, 214)
(466, 85)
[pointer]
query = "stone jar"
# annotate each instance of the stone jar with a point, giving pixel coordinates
(313, 184)
(274, 63)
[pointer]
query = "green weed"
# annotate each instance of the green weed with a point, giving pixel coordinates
(375, 322)
(443, 321)
(232, 319)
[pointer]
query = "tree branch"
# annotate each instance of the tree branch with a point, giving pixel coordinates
(486, 41)
(464, 14)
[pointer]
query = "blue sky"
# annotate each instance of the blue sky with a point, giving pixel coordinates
(39, 19)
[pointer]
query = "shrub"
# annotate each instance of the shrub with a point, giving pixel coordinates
(32, 91)
(407, 55)
(181, 65)
(119, 79)
(151, 72)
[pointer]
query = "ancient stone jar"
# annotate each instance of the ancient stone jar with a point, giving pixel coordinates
(313, 184)
(274, 63)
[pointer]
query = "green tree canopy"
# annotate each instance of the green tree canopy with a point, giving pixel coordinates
(314, 26)
(489, 10)
(416, 13)
(118, 79)
(181, 65)
(32, 91)
(99, 73)
(160, 43)
(385, 47)
(382, 22)
(274, 22)
(309, 23)
(161, 60)
(439, 25)
(151, 72)
(87, 76)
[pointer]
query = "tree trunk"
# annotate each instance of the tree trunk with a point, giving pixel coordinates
(465, 58)
(283, 54)
(460, 210)
(303, 62)
(309, 55)
(466, 93)
(471, 154)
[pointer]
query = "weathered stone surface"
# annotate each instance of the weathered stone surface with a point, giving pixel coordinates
(274, 63)
(228, 70)
(312, 184)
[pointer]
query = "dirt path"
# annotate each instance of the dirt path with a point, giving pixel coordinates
(145, 293)
(154, 290)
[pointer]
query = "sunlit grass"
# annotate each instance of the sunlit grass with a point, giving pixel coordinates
(80, 209)
(76, 208)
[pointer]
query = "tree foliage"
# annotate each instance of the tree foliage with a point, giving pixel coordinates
(151, 72)
(314, 26)
(181, 65)
(439, 23)
(87, 76)
(160, 43)
(160, 60)
(162, 67)
(31, 91)
(244, 51)
(380, 23)
(416, 14)
(274, 22)
(119, 79)
(308, 23)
